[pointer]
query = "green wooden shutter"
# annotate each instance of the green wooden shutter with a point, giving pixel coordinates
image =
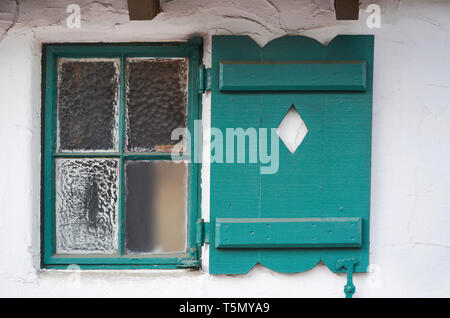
(316, 207)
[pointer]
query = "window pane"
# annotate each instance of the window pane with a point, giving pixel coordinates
(86, 206)
(88, 91)
(156, 102)
(155, 207)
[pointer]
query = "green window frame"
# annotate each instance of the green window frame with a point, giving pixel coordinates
(51, 52)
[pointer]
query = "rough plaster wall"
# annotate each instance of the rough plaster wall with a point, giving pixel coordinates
(8, 15)
(410, 223)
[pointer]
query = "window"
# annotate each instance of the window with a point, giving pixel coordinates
(112, 195)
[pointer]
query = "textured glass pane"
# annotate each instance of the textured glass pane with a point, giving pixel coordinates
(155, 207)
(88, 91)
(156, 102)
(86, 206)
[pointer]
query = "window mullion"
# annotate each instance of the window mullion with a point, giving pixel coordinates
(122, 133)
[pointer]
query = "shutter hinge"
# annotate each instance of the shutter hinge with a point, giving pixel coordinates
(204, 79)
(349, 264)
(202, 228)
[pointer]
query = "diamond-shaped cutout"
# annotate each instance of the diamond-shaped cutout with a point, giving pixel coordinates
(292, 129)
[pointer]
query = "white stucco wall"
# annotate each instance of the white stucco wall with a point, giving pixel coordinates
(410, 204)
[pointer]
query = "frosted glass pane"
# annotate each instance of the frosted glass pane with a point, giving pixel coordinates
(155, 207)
(88, 92)
(156, 102)
(87, 206)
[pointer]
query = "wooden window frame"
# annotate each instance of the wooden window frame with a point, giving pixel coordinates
(51, 52)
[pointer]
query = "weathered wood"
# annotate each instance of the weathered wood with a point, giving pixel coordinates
(346, 9)
(143, 9)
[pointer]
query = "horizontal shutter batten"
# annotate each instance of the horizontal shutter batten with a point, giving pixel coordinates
(293, 76)
(288, 232)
